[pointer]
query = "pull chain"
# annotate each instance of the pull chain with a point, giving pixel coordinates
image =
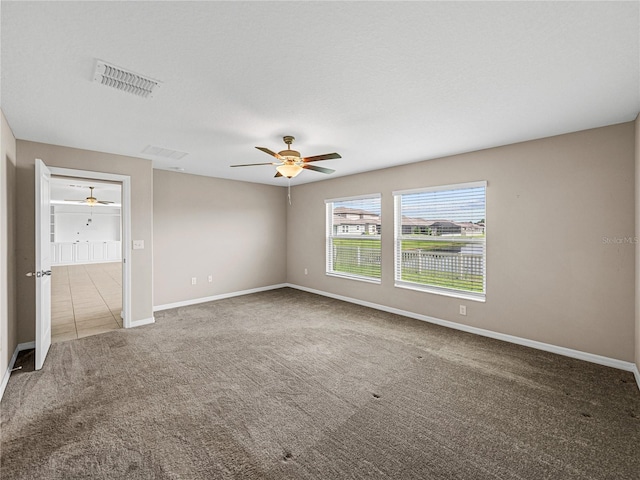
(289, 191)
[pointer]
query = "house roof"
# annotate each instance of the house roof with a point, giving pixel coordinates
(356, 221)
(354, 211)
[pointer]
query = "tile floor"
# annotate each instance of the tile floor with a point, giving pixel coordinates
(85, 300)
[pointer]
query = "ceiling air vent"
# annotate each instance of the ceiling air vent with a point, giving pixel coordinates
(163, 152)
(121, 79)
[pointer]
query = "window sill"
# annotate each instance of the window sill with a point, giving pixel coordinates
(475, 297)
(376, 281)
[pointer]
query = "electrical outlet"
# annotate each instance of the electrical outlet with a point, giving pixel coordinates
(306, 272)
(210, 278)
(463, 309)
(193, 280)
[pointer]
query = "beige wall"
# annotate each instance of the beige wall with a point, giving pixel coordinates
(550, 276)
(637, 213)
(141, 174)
(235, 231)
(8, 319)
(550, 203)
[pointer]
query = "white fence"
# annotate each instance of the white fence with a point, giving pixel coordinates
(418, 261)
(413, 261)
(361, 256)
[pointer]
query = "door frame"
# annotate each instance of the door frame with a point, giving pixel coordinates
(125, 212)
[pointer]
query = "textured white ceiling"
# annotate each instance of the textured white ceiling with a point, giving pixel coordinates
(63, 188)
(381, 83)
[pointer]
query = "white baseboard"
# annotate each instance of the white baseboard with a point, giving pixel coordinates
(26, 346)
(5, 378)
(139, 323)
(636, 373)
(567, 352)
(195, 301)
(7, 374)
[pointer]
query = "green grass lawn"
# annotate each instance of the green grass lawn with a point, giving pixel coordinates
(356, 242)
(372, 271)
(406, 244)
(432, 244)
(468, 283)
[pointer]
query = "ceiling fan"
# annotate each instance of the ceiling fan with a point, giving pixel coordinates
(91, 200)
(291, 163)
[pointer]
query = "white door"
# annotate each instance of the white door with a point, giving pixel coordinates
(43, 263)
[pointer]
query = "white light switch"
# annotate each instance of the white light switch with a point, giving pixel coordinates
(138, 244)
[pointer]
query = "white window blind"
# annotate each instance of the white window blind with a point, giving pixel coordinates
(353, 237)
(440, 239)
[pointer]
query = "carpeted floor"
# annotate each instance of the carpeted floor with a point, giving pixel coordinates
(289, 385)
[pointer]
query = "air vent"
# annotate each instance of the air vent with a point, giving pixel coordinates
(163, 152)
(121, 79)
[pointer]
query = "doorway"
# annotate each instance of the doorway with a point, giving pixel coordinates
(86, 257)
(91, 280)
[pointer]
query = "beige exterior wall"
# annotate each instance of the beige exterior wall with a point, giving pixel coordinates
(141, 174)
(8, 318)
(551, 275)
(234, 231)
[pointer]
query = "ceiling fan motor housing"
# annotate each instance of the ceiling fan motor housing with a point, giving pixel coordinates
(290, 153)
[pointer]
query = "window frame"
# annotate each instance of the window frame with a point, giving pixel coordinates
(361, 235)
(398, 237)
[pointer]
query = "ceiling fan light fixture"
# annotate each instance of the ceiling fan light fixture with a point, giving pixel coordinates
(288, 170)
(91, 200)
(291, 162)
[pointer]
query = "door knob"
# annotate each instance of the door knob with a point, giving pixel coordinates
(38, 274)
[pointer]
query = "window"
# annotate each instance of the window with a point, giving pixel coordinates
(353, 237)
(440, 240)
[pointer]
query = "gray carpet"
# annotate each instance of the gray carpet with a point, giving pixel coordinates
(289, 385)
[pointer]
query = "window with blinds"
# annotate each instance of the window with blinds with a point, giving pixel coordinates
(440, 239)
(353, 237)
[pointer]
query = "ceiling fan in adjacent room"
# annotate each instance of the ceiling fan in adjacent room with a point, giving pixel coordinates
(91, 200)
(290, 163)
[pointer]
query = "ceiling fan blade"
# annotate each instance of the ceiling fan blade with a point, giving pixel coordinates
(273, 154)
(278, 174)
(254, 164)
(104, 202)
(318, 169)
(326, 156)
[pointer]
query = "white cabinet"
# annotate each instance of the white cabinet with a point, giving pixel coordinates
(67, 253)
(82, 252)
(113, 251)
(97, 251)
